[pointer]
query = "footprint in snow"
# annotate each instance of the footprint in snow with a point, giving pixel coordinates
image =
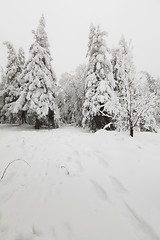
(53, 232)
(8, 177)
(79, 166)
(8, 195)
(68, 231)
(103, 162)
(101, 159)
(23, 237)
(143, 229)
(36, 232)
(3, 228)
(99, 191)
(138, 146)
(118, 185)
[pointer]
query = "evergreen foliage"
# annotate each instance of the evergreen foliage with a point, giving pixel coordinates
(100, 99)
(38, 98)
(106, 93)
(11, 87)
(21, 59)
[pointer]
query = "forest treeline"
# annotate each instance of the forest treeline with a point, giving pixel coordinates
(107, 92)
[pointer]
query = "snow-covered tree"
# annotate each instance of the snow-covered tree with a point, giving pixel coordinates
(100, 100)
(12, 65)
(157, 110)
(133, 104)
(71, 95)
(148, 82)
(65, 97)
(21, 59)
(38, 99)
(11, 88)
(3, 79)
(148, 88)
(80, 77)
(92, 34)
(2, 86)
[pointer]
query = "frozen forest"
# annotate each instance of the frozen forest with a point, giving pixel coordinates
(106, 92)
(79, 153)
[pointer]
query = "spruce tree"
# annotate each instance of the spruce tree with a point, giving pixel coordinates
(11, 88)
(2, 87)
(100, 99)
(21, 59)
(38, 99)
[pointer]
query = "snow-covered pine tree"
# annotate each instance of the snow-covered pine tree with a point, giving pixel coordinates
(17, 106)
(11, 88)
(100, 99)
(12, 65)
(39, 96)
(92, 34)
(21, 59)
(2, 86)
(3, 79)
(133, 104)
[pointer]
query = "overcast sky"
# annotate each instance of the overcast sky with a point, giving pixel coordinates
(67, 25)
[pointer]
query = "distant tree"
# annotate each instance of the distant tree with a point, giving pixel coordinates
(149, 91)
(148, 82)
(80, 77)
(71, 96)
(38, 99)
(65, 97)
(100, 100)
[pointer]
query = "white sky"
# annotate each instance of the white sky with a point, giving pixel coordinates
(67, 25)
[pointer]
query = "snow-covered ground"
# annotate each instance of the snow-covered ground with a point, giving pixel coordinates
(79, 185)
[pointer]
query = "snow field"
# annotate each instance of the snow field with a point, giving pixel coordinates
(79, 185)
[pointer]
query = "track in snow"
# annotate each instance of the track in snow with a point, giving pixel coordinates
(78, 186)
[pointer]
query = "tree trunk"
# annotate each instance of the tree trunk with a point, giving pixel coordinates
(93, 125)
(23, 117)
(131, 131)
(51, 119)
(37, 124)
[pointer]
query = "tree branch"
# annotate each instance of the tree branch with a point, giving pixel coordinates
(9, 165)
